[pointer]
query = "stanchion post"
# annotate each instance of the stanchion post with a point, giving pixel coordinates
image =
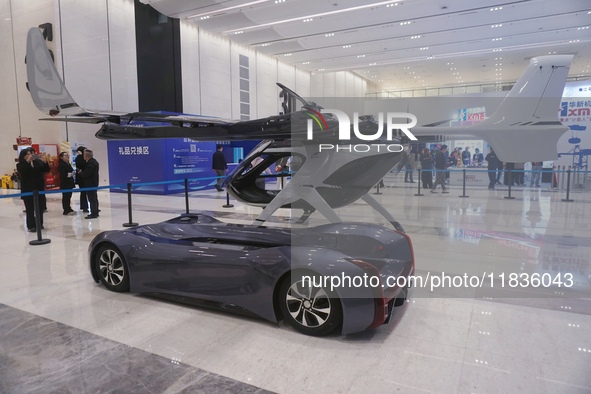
(186, 195)
(464, 184)
(378, 188)
(228, 205)
(510, 182)
(39, 240)
(567, 199)
(130, 223)
(418, 193)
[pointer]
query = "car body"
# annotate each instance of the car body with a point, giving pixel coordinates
(260, 270)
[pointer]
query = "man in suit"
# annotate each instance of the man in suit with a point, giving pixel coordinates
(66, 181)
(90, 176)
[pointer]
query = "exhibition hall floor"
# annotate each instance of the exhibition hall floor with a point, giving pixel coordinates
(62, 332)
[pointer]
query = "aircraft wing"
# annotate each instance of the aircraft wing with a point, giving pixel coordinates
(51, 96)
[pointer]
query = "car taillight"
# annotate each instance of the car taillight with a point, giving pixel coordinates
(380, 311)
(412, 252)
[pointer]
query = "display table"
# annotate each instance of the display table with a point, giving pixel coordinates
(475, 176)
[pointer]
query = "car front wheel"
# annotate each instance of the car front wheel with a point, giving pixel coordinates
(111, 268)
(312, 310)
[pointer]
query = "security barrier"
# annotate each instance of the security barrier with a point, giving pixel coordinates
(562, 180)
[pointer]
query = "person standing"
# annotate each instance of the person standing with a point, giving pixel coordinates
(426, 169)
(41, 162)
(492, 162)
(536, 168)
(80, 163)
(31, 172)
(66, 173)
(477, 158)
(90, 176)
(219, 166)
(440, 168)
(500, 170)
(466, 157)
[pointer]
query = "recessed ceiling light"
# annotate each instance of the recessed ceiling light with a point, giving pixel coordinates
(229, 8)
(329, 35)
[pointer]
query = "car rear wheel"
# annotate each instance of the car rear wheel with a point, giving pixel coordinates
(309, 309)
(111, 268)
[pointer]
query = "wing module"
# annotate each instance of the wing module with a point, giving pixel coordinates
(525, 126)
(51, 97)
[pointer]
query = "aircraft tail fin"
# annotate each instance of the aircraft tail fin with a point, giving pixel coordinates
(45, 84)
(525, 126)
(536, 95)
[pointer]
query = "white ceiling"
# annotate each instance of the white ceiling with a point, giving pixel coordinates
(404, 44)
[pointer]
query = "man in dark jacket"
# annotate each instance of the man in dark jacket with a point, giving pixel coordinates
(42, 163)
(90, 177)
(440, 167)
(31, 171)
(219, 166)
(493, 162)
(66, 181)
(80, 163)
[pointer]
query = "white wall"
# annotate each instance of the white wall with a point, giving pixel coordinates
(210, 65)
(94, 47)
(99, 64)
(17, 111)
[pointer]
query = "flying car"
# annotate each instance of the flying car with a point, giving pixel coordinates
(523, 128)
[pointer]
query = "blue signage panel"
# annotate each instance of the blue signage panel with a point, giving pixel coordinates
(139, 161)
(135, 161)
(186, 158)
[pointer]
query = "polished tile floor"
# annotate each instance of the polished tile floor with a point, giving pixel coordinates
(521, 340)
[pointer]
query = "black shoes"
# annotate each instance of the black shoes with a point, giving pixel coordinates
(68, 212)
(91, 217)
(219, 189)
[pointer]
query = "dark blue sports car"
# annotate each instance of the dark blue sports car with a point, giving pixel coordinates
(275, 273)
